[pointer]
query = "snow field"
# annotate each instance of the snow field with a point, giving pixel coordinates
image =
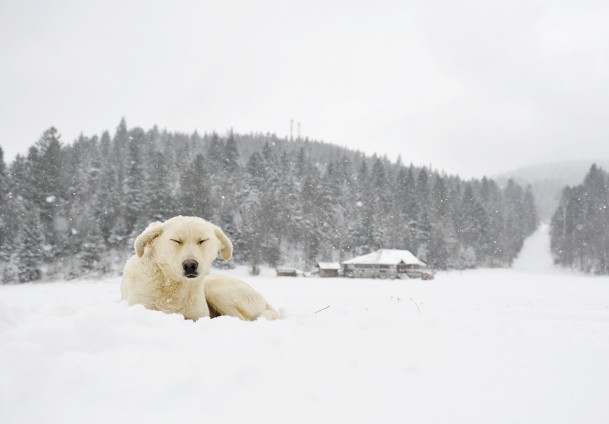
(486, 346)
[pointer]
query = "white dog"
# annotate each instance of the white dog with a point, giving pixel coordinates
(169, 273)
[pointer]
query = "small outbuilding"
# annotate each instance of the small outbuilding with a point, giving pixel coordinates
(385, 263)
(286, 272)
(328, 269)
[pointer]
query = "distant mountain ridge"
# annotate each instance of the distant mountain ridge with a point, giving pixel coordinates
(549, 179)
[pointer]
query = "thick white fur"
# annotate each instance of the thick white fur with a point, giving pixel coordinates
(154, 277)
(229, 296)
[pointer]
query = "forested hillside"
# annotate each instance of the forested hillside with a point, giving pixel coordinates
(74, 209)
(580, 225)
(547, 181)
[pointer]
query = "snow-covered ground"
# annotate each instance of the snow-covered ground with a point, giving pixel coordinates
(525, 345)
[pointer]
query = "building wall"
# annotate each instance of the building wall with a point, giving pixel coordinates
(380, 271)
(328, 273)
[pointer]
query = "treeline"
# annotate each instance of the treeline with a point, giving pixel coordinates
(580, 226)
(74, 209)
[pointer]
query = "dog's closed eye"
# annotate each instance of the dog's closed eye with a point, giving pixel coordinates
(177, 241)
(202, 241)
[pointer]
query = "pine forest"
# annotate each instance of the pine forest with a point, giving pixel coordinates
(73, 209)
(580, 225)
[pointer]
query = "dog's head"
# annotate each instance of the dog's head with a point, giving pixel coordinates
(184, 246)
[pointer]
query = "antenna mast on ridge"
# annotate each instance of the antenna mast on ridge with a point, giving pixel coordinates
(291, 129)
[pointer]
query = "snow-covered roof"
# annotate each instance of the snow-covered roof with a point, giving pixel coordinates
(386, 257)
(328, 265)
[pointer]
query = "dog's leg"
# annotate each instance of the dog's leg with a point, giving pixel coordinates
(229, 296)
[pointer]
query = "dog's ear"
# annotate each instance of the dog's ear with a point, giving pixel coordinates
(150, 233)
(226, 251)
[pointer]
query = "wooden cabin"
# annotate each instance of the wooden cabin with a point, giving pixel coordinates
(286, 272)
(385, 263)
(328, 269)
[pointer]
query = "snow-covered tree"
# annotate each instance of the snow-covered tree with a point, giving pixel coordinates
(4, 194)
(580, 225)
(158, 190)
(135, 201)
(194, 195)
(280, 202)
(28, 260)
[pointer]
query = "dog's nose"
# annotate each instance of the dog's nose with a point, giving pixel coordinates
(190, 267)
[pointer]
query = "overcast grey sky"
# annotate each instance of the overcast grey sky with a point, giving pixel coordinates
(470, 87)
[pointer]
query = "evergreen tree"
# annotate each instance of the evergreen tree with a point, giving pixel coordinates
(404, 198)
(270, 215)
(490, 197)
(514, 220)
(561, 230)
(158, 190)
(379, 185)
(4, 193)
(120, 148)
(312, 231)
(46, 164)
(530, 211)
(134, 193)
(215, 156)
(580, 225)
(230, 186)
(443, 235)
(251, 211)
(194, 193)
(91, 247)
(231, 155)
(291, 203)
(28, 260)
(472, 228)
(423, 186)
